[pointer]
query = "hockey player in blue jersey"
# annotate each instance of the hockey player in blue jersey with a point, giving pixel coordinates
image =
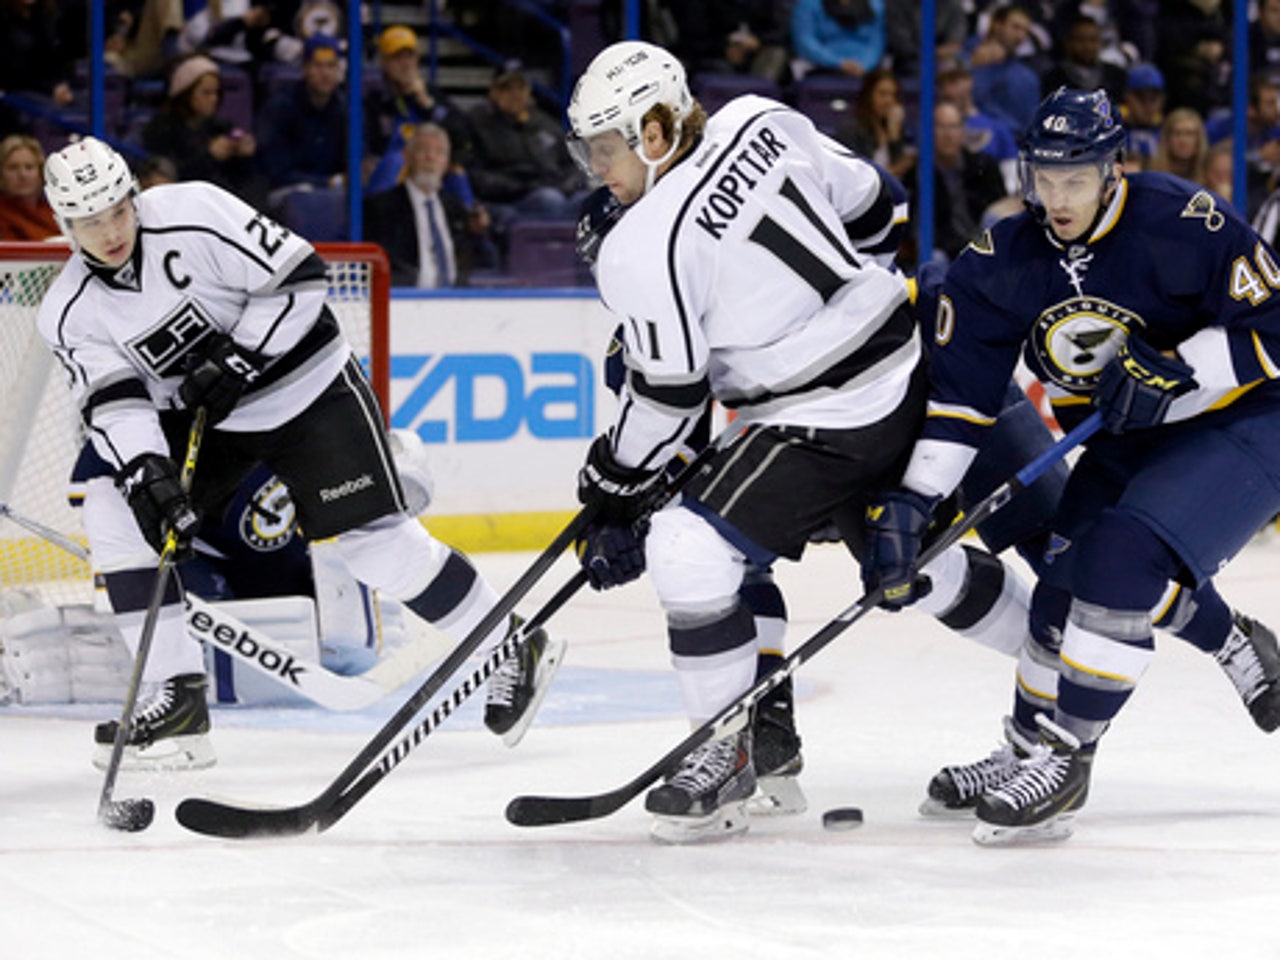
(1148, 298)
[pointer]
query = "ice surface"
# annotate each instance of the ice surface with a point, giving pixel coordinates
(1176, 855)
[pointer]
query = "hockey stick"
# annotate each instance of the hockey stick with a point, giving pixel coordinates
(219, 819)
(218, 627)
(229, 820)
(137, 813)
(532, 811)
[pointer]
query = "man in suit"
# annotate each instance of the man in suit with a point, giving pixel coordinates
(430, 237)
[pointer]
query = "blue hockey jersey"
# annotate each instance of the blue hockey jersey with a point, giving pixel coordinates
(1168, 261)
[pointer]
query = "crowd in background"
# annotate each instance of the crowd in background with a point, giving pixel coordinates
(253, 96)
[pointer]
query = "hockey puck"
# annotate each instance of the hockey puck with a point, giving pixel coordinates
(842, 818)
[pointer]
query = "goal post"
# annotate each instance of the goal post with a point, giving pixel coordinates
(40, 432)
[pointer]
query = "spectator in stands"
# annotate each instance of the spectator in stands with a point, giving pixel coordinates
(1183, 149)
(404, 101)
(1264, 38)
(876, 126)
(839, 36)
(982, 133)
(733, 36)
(156, 170)
(302, 131)
(1218, 169)
(25, 214)
(31, 61)
(520, 166)
(1081, 66)
(1143, 114)
(1262, 123)
(144, 36)
(201, 144)
(965, 184)
(237, 33)
(902, 34)
(1111, 17)
(1004, 86)
(431, 239)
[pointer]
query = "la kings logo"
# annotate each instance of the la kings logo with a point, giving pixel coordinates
(164, 347)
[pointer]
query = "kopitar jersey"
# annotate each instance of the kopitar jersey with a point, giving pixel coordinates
(1168, 261)
(206, 263)
(747, 273)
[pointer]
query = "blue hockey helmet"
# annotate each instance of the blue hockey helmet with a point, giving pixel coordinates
(1071, 128)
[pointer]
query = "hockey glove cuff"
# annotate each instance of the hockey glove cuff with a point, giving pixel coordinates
(152, 486)
(1136, 388)
(896, 524)
(612, 555)
(217, 380)
(623, 494)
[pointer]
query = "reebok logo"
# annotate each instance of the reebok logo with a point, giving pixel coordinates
(242, 645)
(346, 488)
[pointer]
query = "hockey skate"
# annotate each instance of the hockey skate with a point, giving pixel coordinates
(1040, 801)
(518, 686)
(170, 731)
(1251, 659)
(705, 799)
(954, 790)
(775, 751)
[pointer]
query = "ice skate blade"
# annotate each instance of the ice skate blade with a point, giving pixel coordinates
(937, 810)
(1053, 830)
(777, 797)
(729, 821)
(548, 665)
(167, 755)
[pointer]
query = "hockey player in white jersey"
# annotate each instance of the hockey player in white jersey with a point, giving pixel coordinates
(185, 297)
(739, 273)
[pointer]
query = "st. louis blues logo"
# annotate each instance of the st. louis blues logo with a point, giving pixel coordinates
(1072, 341)
(267, 523)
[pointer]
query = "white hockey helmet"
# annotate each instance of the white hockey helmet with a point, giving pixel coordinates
(85, 178)
(618, 88)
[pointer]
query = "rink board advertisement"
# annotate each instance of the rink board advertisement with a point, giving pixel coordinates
(507, 392)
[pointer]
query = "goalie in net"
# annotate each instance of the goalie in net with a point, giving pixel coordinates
(184, 298)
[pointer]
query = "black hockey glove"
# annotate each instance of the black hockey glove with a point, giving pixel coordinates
(153, 487)
(1136, 388)
(218, 378)
(623, 494)
(612, 555)
(896, 524)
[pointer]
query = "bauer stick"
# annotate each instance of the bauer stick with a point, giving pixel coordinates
(137, 813)
(533, 811)
(218, 819)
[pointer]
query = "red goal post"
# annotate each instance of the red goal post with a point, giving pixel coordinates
(39, 427)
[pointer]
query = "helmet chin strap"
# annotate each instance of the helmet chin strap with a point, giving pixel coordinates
(651, 174)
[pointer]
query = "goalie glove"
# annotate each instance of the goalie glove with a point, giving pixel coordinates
(1137, 387)
(153, 487)
(218, 378)
(623, 494)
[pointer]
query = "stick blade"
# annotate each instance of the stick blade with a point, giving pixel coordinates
(547, 811)
(131, 816)
(215, 819)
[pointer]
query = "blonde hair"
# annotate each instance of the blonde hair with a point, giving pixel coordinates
(20, 141)
(1161, 160)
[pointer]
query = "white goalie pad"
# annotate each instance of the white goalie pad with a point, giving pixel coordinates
(68, 654)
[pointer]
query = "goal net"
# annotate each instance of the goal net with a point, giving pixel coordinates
(40, 432)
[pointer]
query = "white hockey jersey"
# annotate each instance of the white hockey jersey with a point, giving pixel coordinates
(206, 263)
(735, 277)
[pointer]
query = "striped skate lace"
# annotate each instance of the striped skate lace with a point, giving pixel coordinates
(708, 766)
(1038, 777)
(1240, 662)
(974, 779)
(505, 681)
(156, 707)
